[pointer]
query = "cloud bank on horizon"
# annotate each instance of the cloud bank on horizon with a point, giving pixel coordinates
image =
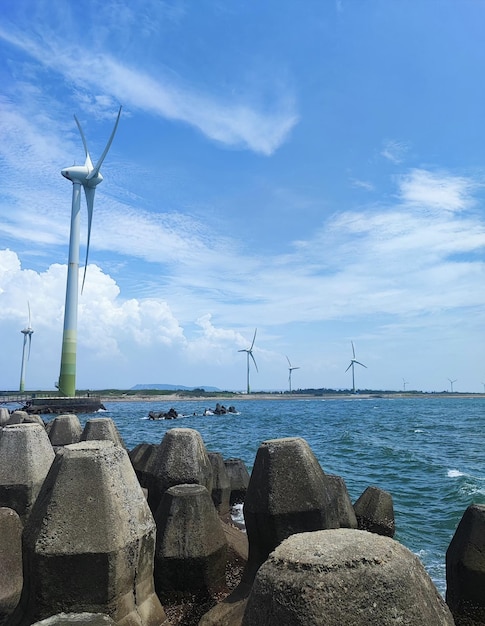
(318, 175)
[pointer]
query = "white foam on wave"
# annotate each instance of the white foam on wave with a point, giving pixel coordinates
(452, 473)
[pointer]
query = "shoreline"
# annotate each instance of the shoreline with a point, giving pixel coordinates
(180, 397)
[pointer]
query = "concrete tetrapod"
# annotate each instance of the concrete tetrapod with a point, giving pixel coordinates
(89, 542)
(286, 494)
(100, 429)
(142, 456)
(65, 429)
(221, 484)
(340, 499)
(239, 478)
(465, 569)
(181, 459)
(26, 455)
(344, 577)
(375, 512)
(191, 548)
(11, 574)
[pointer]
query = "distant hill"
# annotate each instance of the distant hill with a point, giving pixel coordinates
(173, 387)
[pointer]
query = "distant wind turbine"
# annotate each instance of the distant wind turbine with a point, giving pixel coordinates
(483, 387)
(353, 362)
(451, 383)
(87, 177)
(249, 353)
(27, 333)
(404, 383)
(290, 369)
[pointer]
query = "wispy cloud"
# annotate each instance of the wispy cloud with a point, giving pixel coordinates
(234, 123)
(394, 150)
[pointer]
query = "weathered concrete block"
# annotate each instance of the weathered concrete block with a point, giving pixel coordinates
(286, 494)
(34, 419)
(181, 459)
(102, 429)
(340, 501)
(89, 542)
(239, 477)
(344, 577)
(91, 619)
(465, 569)
(65, 429)
(375, 512)
(11, 574)
(142, 457)
(26, 455)
(17, 417)
(191, 548)
(4, 416)
(221, 484)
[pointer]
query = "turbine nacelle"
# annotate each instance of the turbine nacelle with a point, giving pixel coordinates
(81, 174)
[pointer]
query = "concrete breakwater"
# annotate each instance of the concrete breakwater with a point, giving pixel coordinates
(92, 533)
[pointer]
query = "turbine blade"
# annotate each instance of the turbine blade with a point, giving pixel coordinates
(349, 366)
(28, 305)
(254, 339)
(254, 361)
(105, 152)
(89, 191)
(353, 349)
(288, 361)
(89, 163)
(359, 363)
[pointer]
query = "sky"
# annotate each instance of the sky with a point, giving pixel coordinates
(313, 170)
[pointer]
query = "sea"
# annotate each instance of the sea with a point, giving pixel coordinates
(428, 453)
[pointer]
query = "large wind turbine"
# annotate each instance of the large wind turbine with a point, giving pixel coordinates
(290, 369)
(27, 333)
(353, 362)
(87, 177)
(451, 383)
(249, 353)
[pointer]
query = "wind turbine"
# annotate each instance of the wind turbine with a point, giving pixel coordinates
(404, 383)
(27, 333)
(290, 369)
(353, 362)
(87, 177)
(451, 383)
(249, 352)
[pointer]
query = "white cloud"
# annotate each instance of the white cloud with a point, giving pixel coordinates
(394, 151)
(437, 191)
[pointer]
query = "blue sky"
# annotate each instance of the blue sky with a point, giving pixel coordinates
(312, 169)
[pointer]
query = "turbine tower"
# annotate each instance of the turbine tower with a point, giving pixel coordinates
(404, 383)
(451, 383)
(353, 362)
(27, 333)
(290, 369)
(87, 177)
(249, 353)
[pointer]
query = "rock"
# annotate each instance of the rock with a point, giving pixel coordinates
(375, 512)
(26, 455)
(221, 484)
(239, 477)
(344, 577)
(181, 459)
(89, 542)
(191, 548)
(340, 501)
(65, 429)
(465, 569)
(11, 574)
(102, 429)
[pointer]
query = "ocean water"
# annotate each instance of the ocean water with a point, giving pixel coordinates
(428, 453)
